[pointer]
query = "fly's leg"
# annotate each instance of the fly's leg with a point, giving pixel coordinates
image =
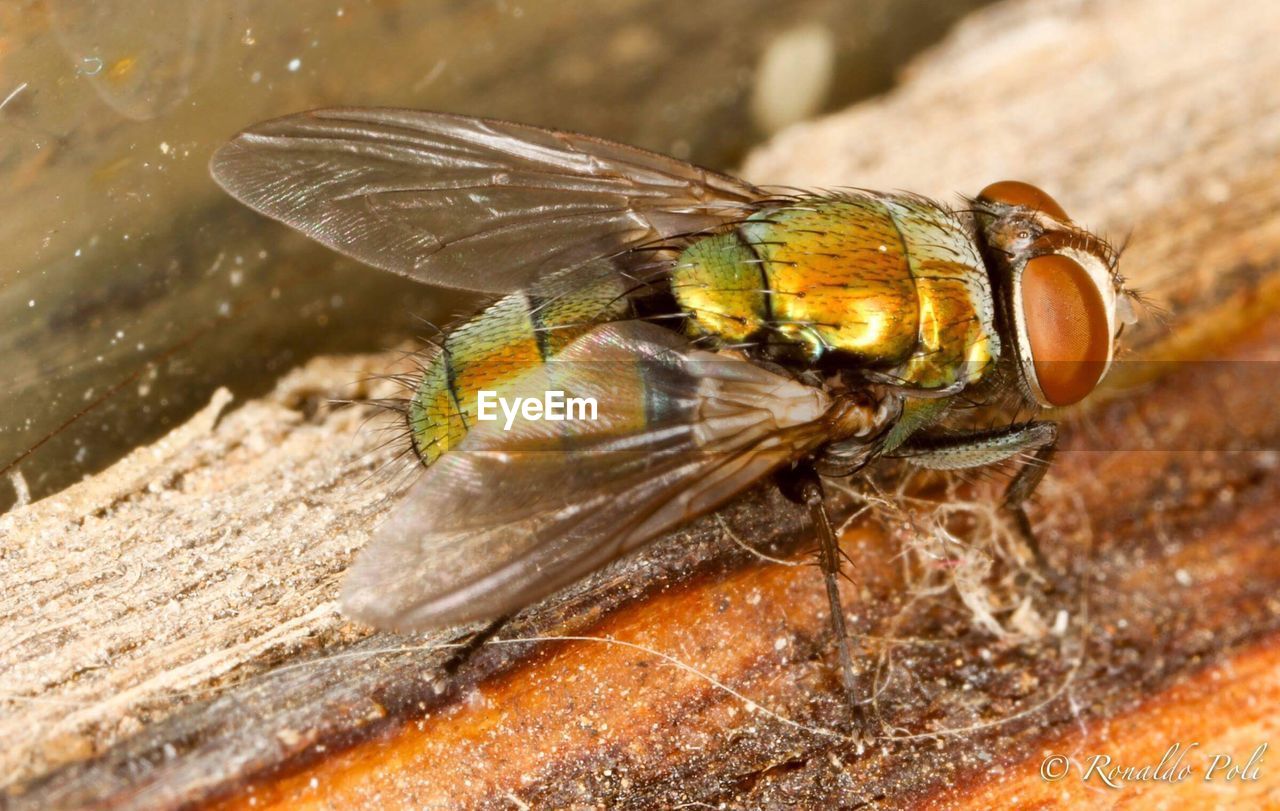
(967, 449)
(474, 642)
(803, 485)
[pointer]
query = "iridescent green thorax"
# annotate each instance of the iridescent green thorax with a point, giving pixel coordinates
(891, 282)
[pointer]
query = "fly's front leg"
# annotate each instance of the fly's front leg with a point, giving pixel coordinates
(968, 449)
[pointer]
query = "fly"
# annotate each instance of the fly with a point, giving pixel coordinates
(724, 333)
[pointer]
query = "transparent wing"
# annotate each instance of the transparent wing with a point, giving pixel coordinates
(467, 202)
(513, 515)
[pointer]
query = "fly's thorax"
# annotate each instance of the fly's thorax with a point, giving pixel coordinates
(719, 281)
(512, 338)
(958, 341)
(1061, 301)
(887, 282)
(838, 276)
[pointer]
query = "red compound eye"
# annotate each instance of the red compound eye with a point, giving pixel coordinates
(1017, 193)
(1064, 317)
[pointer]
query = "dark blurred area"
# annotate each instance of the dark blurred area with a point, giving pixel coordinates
(131, 287)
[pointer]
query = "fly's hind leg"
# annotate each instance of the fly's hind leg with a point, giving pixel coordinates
(468, 649)
(803, 485)
(967, 449)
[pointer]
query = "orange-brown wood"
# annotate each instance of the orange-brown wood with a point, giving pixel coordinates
(640, 702)
(1208, 741)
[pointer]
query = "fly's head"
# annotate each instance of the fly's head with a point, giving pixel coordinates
(1062, 303)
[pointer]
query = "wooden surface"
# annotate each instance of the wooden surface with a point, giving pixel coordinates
(170, 634)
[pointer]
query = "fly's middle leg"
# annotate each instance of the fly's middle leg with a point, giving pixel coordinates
(968, 449)
(803, 485)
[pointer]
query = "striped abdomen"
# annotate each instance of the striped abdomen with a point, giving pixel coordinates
(518, 332)
(891, 282)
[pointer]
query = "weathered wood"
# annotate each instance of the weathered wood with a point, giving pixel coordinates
(174, 618)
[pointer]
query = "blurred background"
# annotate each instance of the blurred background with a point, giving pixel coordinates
(131, 287)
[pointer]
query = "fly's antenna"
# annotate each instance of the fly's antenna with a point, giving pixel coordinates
(1118, 250)
(1162, 314)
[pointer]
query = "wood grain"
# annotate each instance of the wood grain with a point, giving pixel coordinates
(171, 636)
